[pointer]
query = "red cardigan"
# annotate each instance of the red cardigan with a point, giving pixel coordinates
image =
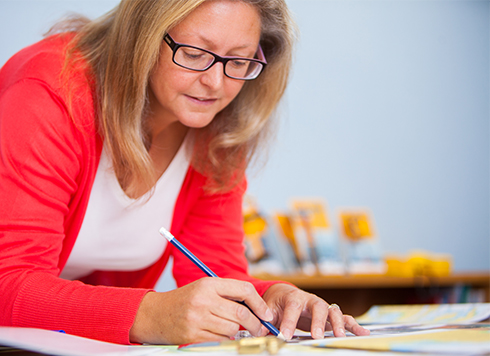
(48, 163)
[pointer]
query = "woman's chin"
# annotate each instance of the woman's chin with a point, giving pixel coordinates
(196, 122)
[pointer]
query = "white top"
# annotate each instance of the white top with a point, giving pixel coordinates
(119, 233)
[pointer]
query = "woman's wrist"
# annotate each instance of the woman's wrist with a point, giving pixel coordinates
(142, 328)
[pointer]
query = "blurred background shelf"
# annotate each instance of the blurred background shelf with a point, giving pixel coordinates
(357, 293)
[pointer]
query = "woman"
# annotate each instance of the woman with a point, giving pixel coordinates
(113, 128)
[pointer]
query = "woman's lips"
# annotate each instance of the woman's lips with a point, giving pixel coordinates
(201, 101)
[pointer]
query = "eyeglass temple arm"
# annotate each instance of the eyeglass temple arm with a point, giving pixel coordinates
(261, 54)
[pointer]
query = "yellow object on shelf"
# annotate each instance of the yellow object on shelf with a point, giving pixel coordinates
(357, 225)
(255, 228)
(419, 263)
(397, 267)
(442, 267)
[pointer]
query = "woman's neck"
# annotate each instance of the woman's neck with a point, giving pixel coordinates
(164, 144)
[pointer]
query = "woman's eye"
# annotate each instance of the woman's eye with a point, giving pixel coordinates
(239, 63)
(193, 54)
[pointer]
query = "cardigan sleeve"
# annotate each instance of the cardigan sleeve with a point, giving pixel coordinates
(42, 165)
(213, 231)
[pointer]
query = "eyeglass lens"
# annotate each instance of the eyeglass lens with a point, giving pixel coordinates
(193, 58)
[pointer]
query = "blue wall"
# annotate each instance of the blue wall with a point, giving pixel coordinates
(388, 108)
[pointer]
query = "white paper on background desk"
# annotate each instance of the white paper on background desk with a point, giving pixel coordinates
(461, 313)
(375, 329)
(470, 341)
(56, 343)
(396, 319)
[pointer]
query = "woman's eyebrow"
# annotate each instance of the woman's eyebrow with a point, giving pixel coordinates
(212, 44)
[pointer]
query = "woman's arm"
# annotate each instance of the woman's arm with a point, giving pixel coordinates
(43, 168)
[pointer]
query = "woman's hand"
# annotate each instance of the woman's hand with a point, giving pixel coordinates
(294, 308)
(201, 311)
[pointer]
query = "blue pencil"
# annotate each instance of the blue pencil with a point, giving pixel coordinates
(210, 273)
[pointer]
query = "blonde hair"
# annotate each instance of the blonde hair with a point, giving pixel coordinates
(122, 48)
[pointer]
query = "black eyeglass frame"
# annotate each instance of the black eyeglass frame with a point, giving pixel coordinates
(174, 46)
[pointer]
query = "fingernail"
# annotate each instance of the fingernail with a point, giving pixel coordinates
(341, 332)
(287, 334)
(268, 315)
(318, 333)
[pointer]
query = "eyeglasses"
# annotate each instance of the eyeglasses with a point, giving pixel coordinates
(198, 59)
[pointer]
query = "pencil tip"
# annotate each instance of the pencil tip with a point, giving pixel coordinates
(281, 336)
(166, 234)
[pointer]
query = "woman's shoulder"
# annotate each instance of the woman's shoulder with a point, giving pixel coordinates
(42, 65)
(198, 184)
(41, 61)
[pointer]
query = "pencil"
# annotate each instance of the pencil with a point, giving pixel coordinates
(210, 273)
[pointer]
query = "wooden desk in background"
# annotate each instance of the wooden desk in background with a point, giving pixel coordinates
(357, 293)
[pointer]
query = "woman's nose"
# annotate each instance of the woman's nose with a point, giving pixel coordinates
(213, 77)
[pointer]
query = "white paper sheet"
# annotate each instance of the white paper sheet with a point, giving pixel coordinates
(56, 343)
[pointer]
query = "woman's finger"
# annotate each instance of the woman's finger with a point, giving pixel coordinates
(202, 335)
(352, 325)
(221, 326)
(244, 292)
(336, 320)
(291, 314)
(319, 312)
(237, 314)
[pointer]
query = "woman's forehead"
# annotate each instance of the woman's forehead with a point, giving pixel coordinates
(220, 22)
